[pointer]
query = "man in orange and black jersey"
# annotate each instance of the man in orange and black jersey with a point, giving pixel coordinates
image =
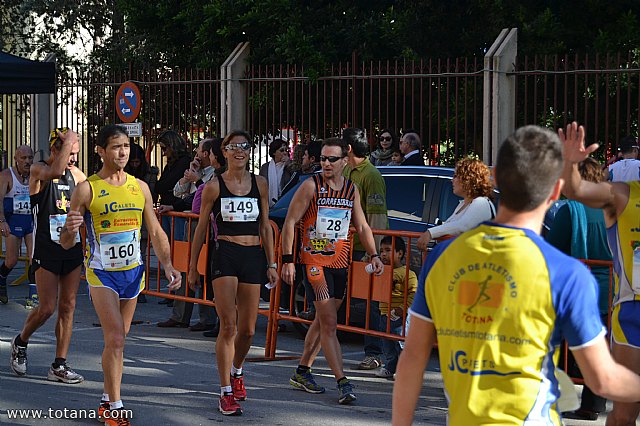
(326, 205)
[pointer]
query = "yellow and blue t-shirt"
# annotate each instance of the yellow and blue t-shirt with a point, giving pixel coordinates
(113, 224)
(501, 300)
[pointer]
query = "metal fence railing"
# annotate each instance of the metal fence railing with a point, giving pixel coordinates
(442, 99)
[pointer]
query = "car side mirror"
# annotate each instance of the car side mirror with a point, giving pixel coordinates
(437, 221)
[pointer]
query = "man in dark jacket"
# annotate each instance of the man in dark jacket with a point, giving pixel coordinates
(411, 148)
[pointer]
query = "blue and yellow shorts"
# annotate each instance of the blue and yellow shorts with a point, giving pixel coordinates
(625, 324)
(126, 284)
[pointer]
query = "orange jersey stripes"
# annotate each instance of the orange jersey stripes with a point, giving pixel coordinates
(324, 227)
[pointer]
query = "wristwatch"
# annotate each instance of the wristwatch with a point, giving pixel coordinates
(273, 266)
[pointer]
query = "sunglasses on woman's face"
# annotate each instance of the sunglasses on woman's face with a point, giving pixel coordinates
(385, 138)
(331, 159)
(243, 146)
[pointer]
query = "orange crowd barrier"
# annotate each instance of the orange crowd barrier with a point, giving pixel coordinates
(361, 285)
(180, 258)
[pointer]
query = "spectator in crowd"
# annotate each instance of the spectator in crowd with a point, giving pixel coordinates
(627, 167)
(392, 252)
(310, 163)
(387, 143)
(396, 157)
(472, 182)
(139, 167)
(219, 163)
(276, 171)
(201, 170)
(411, 148)
(620, 202)
(502, 299)
(174, 148)
(579, 231)
(296, 159)
(373, 199)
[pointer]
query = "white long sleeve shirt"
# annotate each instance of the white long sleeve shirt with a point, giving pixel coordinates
(481, 209)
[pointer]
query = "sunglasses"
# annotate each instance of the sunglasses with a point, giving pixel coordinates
(331, 159)
(243, 146)
(385, 138)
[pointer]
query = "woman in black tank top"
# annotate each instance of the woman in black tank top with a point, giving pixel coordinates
(239, 202)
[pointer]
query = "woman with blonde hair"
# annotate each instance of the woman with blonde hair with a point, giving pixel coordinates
(472, 182)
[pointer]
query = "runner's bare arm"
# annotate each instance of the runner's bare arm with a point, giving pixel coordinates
(365, 233)
(159, 239)
(413, 361)
(80, 200)
(43, 171)
(5, 183)
(604, 376)
(297, 208)
(210, 193)
(266, 233)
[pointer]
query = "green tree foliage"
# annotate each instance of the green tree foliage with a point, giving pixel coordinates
(315, 33)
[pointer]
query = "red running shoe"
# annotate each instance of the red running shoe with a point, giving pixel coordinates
(229, 406)
(239, 392)
(104, 406)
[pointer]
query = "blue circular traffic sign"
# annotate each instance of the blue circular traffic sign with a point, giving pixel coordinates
(128, 102)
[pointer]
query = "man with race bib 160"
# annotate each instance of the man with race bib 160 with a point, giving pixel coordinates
(327, 203)
(113, 203)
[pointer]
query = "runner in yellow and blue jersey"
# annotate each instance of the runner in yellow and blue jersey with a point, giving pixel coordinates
(113, 204)
(500, 300)
(113, 223)
(620, 202)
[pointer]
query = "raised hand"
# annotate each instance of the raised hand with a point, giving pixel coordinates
(573, 140)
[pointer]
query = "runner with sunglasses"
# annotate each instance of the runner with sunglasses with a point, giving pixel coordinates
(239, 202)
(325, 205)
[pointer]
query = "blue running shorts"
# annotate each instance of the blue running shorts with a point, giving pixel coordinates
(126, 284)
(625, 324)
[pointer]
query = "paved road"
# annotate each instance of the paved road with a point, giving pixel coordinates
(169, 376)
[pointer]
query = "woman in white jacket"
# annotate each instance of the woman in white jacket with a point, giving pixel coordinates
(472, 182)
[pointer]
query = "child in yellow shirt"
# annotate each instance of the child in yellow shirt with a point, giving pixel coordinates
(395, 312)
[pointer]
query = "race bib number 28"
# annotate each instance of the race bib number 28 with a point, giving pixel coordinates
(333, 223)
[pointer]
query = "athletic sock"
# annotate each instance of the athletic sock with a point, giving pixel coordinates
(225, 390)
(4, 271)
(302, 369)
(105, 397)
(116, 405)
(236, 372)
(58, 362)
(20, 342)
(342, 380)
